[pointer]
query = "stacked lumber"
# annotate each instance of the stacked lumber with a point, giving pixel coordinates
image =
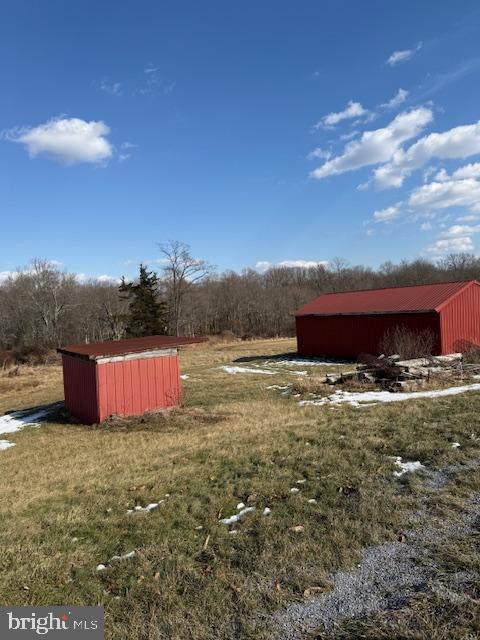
(394, 374)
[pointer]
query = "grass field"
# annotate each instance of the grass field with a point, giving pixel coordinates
(65, 490)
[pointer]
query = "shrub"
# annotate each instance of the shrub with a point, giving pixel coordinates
(472, 356)
(6, 359)
(407, 343)
(30, 355)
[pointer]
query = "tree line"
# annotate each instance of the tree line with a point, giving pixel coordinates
(43, 306)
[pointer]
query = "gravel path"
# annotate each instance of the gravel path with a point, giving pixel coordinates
(387, 576)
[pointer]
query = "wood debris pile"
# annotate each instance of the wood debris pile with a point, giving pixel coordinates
(394, 374)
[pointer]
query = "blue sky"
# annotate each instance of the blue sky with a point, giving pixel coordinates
(256, 132)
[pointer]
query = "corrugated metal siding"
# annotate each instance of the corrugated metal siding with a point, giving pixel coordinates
(132, 387)
(79, 383)
(460, 321)
(349, 336)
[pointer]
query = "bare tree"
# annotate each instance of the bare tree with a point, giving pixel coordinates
(41, 306)
(181, 272)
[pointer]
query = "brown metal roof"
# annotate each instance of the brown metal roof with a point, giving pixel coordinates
(95, 350)
(417, 298)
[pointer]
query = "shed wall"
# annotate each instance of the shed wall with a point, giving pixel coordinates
(460, 321)
(132, 387)
(348, 336)
(80, 388)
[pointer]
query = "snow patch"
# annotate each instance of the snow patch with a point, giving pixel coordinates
(237, 516)
(285, 389)
(294, 490)
(303, 362)
(455, 445)
(184, 376)
(102, 566)
(13, 422)
(147, 509)
(369, 398)
(406, 467)
(234, 370)
(267, 511)
(126, 556)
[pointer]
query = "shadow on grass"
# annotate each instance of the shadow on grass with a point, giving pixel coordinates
(163, 421)
(55, 413)
(167, 420)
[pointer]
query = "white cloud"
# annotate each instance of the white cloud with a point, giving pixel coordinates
(402, 55)
(398, 99)
(5, 275)
(352, 110)
(263, 265)
(109, 279)
(426, 226)
(67, 140)
(350, 135)
(83, 278)
(460, 230)
(125, 151)
(306, 264)
(442, 195)
(112, 88)
(468, 218)
(434, 83)
(459, 142)
(385, 215)
(467, 171)
(363, 186)
(451, 245)
(378, 146)
(319, 153)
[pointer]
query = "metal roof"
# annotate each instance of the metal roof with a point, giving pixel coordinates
(95, 350)
(412, 299)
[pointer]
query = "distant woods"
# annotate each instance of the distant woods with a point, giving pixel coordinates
(43, 306)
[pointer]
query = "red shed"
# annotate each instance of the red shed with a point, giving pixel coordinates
(122, 377)
(354, 322)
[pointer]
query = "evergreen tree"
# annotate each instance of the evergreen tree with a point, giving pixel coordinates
(146, 313)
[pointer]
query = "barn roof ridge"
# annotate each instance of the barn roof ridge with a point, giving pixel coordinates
(402, 286)
(430, 297)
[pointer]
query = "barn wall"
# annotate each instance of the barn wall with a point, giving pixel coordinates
(460, 321)
(79, 384)
(349, 336)
(131, 387)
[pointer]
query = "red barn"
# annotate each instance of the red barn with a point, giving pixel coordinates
(123, 377)
(354, 322)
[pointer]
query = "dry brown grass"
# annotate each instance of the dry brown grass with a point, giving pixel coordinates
(29, 387)
(65, 490)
